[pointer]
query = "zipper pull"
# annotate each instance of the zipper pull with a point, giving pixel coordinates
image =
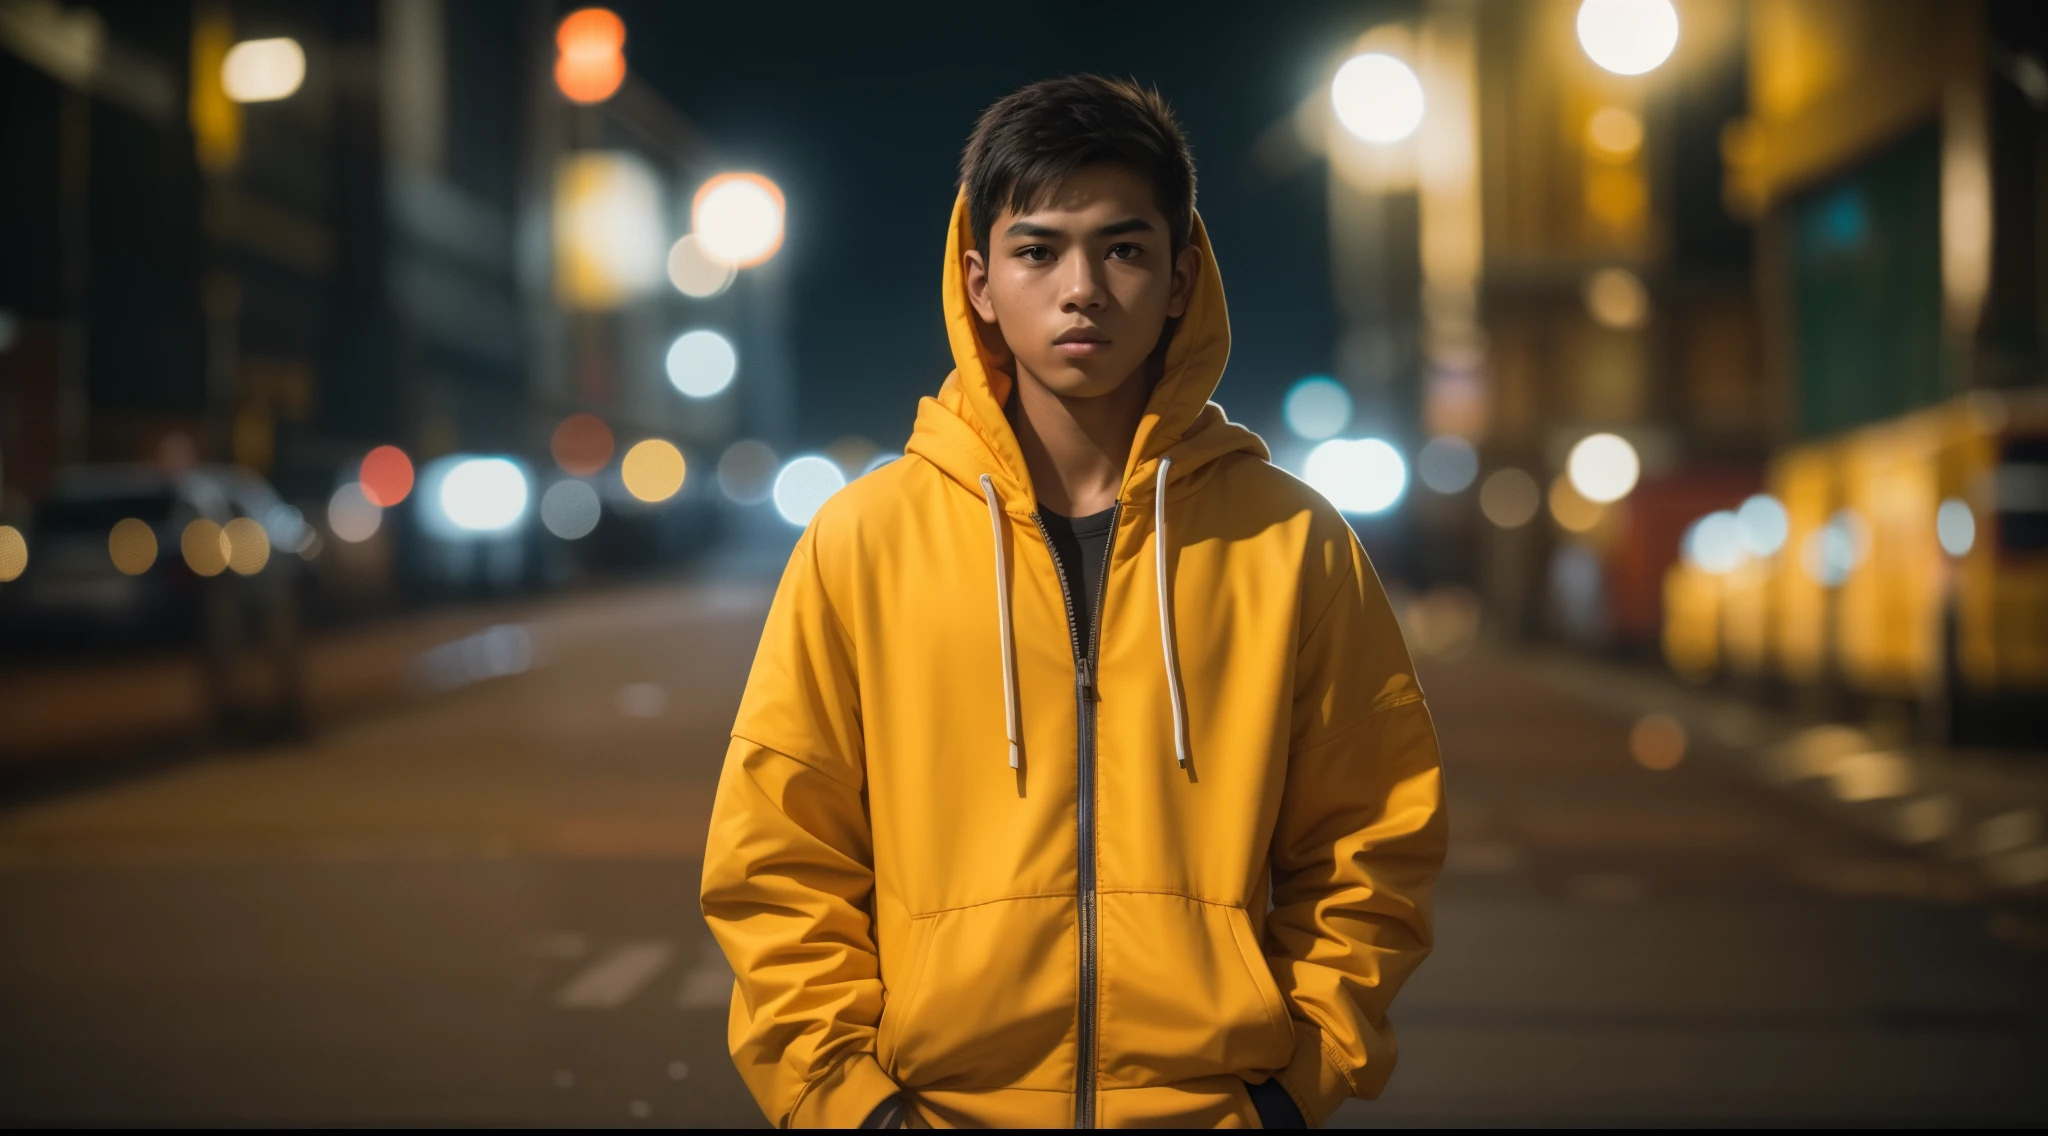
(1084, 677)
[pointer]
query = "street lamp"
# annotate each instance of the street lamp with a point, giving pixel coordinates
(1628, 37)
(1377, 98)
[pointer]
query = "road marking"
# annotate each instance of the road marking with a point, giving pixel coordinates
(707, 985)
(617, 975)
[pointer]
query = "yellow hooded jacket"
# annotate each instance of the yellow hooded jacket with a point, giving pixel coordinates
(942, 863)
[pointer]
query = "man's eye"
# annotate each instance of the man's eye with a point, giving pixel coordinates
(1126, 251)
(1036, 254)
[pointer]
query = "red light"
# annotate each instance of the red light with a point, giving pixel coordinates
(386, 476)
(582, 445)
(592, 63)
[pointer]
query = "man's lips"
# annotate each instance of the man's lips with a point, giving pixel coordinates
(1080, 342)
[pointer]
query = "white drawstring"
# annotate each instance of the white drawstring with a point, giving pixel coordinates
(995, 524)
(1166, 644)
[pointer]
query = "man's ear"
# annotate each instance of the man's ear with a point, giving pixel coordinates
(977, 285)
(1185, 266)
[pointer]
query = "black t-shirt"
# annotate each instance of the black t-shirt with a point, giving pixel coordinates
(1083, 546)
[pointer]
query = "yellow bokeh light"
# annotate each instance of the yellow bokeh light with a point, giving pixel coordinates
(13, 553)
(248, 546)
(1657, 741)
(653, 470)
(1614, 133)
(205, 548)
(132, 546)
(1572, 512)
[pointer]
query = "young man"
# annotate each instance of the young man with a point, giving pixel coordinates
(1082, 777)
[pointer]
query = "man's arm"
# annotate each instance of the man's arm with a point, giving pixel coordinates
(789, 871)
(1360, 838)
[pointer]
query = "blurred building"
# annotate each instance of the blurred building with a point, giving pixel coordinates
(399, 230)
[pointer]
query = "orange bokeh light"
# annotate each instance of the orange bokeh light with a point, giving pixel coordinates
(582, 445)
(592, 63)
(386, 476)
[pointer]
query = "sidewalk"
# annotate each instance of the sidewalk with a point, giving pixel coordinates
(1978, 810)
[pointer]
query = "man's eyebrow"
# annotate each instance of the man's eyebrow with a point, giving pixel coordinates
(1119, 228)
(1036, 232)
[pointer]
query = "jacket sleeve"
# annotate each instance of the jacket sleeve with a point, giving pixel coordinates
(1359, 840)
(789, 874)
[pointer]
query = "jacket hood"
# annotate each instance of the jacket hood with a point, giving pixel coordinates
(965, 433)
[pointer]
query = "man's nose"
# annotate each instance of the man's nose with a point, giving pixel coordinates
(1083, 287)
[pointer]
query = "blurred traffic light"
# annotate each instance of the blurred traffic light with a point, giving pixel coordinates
(592, 59)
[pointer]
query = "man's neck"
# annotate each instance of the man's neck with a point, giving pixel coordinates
(1076, 447)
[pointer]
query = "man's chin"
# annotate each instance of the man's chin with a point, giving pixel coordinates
(1068, 381)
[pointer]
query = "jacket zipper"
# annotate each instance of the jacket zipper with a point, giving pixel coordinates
(1085, 697)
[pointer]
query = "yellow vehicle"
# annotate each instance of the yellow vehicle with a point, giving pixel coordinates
(1911, 565)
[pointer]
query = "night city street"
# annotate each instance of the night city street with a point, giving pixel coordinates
(1350, 563)
(481, 909)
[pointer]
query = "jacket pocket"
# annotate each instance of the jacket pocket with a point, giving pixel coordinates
(988, 1000)
(1184, 992)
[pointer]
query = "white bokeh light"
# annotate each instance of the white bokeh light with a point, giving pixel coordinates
(694, 273)
(1628, 37)
(1955, 526)
(1447, 464)
(738, 219)
(1317, 407)
(1377, 98)
(1764, 525)
(350, 515)
(263, 70)
(702, 363)
(1361, 476)
(570, 509)
(483, 494)
(1603, 468)
(804, 485)
(1714, 543)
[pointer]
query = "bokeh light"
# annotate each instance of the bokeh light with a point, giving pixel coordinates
(1955, 526)
(592, 61)
(570, 509)
(1657, 742)
(13, 554)
(205, 547)
(1713, 544)
(1509, 498)
(1833, 550)
(738, 219)
(1628, 37)
(1362, 476)
(131, 545)
(1447, 464)
(1572, 512)
(1317, 407)
(804, 485)
(386, 476)
(1614, 133)
(694, 273)
(1764, 525)
(1603, 467)
(610, 228)
(484, 494)
(1377, 98)
(1616, 298)
(653, 470)
(263, 70)
(248, 546)
(746, 471)
(351, 516)
(701, 363)
(581, 445)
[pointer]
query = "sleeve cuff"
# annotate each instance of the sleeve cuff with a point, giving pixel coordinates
(843, 1097)
(1317, 1086)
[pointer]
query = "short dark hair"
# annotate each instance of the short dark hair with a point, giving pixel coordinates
(1034, 138)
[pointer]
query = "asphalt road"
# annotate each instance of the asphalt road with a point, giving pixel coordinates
(480, 908)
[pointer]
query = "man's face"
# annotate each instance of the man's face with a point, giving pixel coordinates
(1082, 286)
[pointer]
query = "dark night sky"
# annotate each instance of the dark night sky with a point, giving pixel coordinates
(860, 118)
